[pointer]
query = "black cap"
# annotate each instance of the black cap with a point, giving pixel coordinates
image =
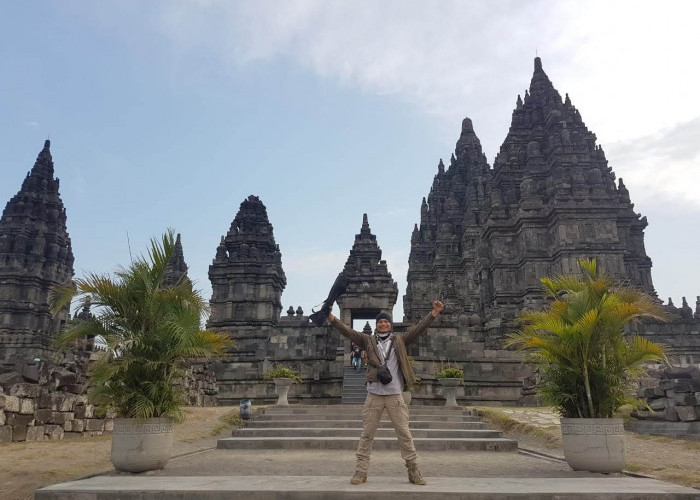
(384, 316)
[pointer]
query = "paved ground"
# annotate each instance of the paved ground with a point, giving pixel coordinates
(384, 463)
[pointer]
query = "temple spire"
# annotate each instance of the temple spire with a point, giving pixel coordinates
(176, 268)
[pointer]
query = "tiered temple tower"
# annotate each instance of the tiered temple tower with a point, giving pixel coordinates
(176, 269)
(35, 257)
(246, 276)
(371, 288)
(550, 199)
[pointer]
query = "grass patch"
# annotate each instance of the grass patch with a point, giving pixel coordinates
(230, 420)
(510, 424)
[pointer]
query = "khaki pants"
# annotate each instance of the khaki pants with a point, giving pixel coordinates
(371, 414)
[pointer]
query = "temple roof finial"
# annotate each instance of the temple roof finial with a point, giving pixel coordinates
(538, 64)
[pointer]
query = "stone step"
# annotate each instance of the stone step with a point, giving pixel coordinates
(341, 424)
(140, 487)
(356, 431)
(347, 409)
(380, 443)
(358, 416)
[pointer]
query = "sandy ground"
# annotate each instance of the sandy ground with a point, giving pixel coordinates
(673, 460)
(25, 467)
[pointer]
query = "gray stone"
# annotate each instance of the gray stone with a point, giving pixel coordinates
(94, 424)
(27, 406)
(54, 432)
(688, 413)
(2, 417)
(5, 434)
(35, 433)
(9, 403)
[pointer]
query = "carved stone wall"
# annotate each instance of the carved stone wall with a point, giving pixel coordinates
(35, 256)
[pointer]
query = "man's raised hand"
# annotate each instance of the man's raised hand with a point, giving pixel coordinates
(438, 307)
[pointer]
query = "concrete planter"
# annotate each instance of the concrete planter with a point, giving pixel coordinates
(407, 396)
(449, 390)
(282, 386)
(141, 444)
(594, 444)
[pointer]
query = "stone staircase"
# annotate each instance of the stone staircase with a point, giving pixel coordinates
(339, 427)
(354, 385)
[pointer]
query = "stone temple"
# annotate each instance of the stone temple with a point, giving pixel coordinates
(35, 256)
(486, 235)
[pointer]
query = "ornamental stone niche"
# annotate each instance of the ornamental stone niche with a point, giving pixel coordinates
(246, 276)
(35, 256)
(371, 288)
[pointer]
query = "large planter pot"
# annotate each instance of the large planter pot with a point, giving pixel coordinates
(141, 444)
(407, 396)
(282, 386)
(594, 444)
(449, 390)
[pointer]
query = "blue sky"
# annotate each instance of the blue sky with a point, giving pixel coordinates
(169, 114)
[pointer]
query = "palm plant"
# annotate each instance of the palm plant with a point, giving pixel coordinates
(150, 331)
(587, 364)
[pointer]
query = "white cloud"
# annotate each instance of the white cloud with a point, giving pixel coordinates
(625, 63)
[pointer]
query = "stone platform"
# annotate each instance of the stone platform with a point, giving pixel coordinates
(337, 487)
(292, 472)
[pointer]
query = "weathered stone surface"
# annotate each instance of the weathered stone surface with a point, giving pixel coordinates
(77, 425)
(24, 390)
(2, 417)
(16, 419)
(9, 403)
(94, 424)
(54, 432)
(5, 434)
(35, 433)
(61, 417)
(27, 406)
(43, 416)
(65, 402)
(688, 413)
(84, 411)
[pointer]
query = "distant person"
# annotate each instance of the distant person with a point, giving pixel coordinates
(356, 357)
(386, 353)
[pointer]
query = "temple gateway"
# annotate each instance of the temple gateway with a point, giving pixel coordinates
(486, 235)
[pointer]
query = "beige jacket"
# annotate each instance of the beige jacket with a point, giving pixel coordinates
(401, 340)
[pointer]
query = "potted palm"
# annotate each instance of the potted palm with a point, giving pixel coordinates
(587, 364)
(283, 378)
(150, 331)
(450, 377)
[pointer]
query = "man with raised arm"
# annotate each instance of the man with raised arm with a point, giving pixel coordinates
(386, 354)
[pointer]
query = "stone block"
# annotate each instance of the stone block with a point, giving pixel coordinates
(50, 401)
(2, 417)
(65, 402)
(54, 432)
(5, 434)
(16, 419)
(692, 399)
(63, 378)
(76, 388)
(688, 413)
(77, 425)
(61, 417)
(35, 433)
(9, 403)
(25, 390)
(94, 424)
(109, 425)
(81, 399)
(671, 414)
(19, 433)
(10, 378)
(84, 411)
(43, 415)
(658, 404)
(27, 406)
